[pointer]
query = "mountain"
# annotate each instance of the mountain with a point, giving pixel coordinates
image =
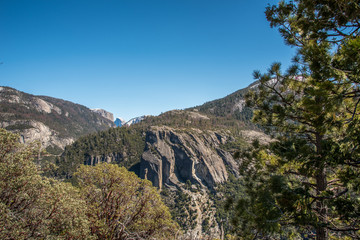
(187, 154)
(119, 122)
(104, 113)
(135, 120)
(54, 122)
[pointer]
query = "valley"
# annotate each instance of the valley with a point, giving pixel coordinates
(279, 159)
(186, 154)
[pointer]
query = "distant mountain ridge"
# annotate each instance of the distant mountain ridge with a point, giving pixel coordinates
(135, 120)
(54, 122)
(119, 122)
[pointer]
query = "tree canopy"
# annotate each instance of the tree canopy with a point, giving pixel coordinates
(305, 183)
(32, 206)
(107, 202)
(123, 206)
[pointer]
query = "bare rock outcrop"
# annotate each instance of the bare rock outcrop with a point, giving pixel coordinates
(31, 130)
(108, 158)
(172, 156)
(104, 113)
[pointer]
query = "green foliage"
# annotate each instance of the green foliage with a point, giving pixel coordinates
(179, 203)
(20, 127)
(124, 145)
(54, 150)
(122, 206)
(236, 145)
(186, 119)
(224, 197)
(225, 107)
(205, 225)
(304, 182)
(108, 203)
(35, 207)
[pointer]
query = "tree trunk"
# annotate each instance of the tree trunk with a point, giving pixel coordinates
(321, 185)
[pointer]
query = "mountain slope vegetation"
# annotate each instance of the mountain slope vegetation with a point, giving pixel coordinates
(232, 106)
(54, 122)
(183, 152)
(105, 202)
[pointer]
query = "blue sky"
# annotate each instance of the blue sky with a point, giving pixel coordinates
(136, 57)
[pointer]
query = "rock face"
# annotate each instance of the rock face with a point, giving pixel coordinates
(104, 113)
(54, 122)
(119, 122)
(109, 158)
(37, 131)
(172, 156)
(175, 158)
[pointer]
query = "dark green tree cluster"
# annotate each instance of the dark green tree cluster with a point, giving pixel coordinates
(231, 106)
(107, 201)
(306, 182)
(203, 120)
(232, 191)
(126, 144)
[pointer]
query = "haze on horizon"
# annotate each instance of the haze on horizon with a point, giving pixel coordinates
(137, 57)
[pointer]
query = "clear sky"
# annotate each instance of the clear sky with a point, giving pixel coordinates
(136, 57)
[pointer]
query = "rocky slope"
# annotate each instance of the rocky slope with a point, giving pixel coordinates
(175, 155)
(104, 113)
(54, 122)
(185, 159)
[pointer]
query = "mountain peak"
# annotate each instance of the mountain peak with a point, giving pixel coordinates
(119, 122)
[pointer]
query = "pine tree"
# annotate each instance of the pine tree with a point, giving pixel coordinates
(305, 182)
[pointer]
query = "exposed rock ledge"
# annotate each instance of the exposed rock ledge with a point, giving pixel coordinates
(172, 156)
(37, 131)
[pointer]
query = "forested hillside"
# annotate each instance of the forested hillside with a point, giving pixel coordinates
(188, 155)
(54, 122)
(232, 106)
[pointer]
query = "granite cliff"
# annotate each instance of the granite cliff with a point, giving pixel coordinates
(104, 113)
(190, 161)
(174, 156)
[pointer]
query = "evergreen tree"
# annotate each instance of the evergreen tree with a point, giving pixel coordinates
(305, 182)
